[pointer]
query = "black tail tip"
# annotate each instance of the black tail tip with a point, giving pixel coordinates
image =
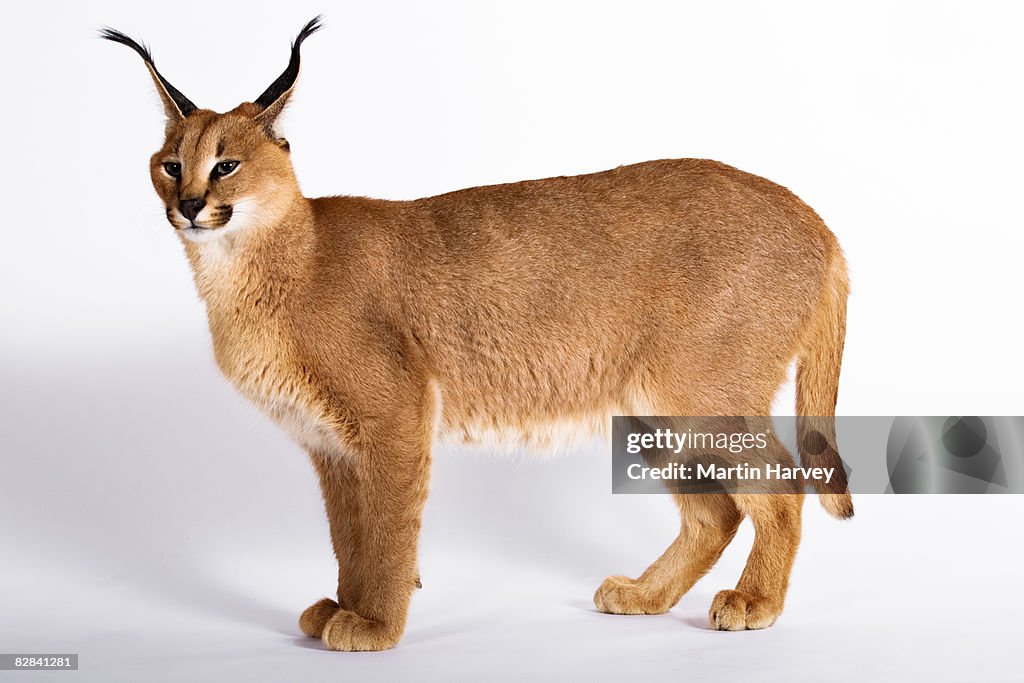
(838, 505)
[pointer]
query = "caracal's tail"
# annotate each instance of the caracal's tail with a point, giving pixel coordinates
(817, 387)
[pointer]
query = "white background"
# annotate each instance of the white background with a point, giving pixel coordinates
(156, 524)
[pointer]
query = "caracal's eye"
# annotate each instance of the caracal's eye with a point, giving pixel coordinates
(172, 168)
(224, 168)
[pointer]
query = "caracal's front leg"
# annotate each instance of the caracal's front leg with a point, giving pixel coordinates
(338, 485)
(374, 498)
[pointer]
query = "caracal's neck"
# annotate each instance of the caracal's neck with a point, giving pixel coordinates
(251, 268)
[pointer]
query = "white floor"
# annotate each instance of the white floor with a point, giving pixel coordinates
(159, 528)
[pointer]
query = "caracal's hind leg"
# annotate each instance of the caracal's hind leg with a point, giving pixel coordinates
(709, 522)
(761, 591)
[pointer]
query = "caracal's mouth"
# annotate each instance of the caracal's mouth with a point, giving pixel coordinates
(218, 219)
(198, 232)
(196, 228)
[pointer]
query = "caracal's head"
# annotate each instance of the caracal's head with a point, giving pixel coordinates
(219, 174)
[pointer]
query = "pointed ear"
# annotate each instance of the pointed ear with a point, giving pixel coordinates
(273, 100)
(176, 105)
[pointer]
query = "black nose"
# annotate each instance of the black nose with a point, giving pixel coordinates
(190, 208)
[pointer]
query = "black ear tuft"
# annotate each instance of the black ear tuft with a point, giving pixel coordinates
(108, 33)
(286, 80)
(180, 102)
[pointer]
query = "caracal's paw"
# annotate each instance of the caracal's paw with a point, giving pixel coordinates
(346, 631)
(316, 616)
(736, 611)
(623, 595)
